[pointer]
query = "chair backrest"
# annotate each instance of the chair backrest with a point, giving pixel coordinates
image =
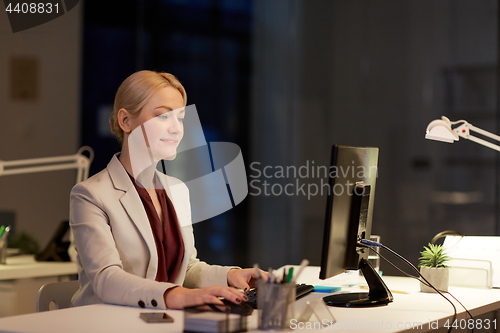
(58, 292)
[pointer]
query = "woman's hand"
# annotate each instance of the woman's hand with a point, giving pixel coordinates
(180, 297)
(244, 278)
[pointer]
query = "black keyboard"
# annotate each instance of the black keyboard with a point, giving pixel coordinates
(300, 291)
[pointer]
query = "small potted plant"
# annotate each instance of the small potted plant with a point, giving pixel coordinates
(433, 268)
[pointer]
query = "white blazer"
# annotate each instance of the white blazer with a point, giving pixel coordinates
(116, 252)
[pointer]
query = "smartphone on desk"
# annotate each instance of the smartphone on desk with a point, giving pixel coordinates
(156, 317)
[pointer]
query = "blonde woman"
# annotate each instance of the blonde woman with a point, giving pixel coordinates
(132, 224)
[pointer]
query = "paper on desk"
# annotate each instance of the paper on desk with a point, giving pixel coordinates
(479, 248)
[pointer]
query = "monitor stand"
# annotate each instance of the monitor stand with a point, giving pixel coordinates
(377, 295)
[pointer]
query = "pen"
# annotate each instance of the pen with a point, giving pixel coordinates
(2, 229)
(5, 232)
(303, 264)
(283, 279)
(290, 275)
(257, 272)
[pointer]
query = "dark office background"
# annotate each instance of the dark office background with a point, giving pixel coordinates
(287, 79)
(283, 79)
(206, 44)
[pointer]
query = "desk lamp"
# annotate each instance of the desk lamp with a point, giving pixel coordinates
(78, 161)
(440, 130)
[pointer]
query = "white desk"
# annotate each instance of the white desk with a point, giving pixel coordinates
(25, 266)
(407, 309)
(21, 278)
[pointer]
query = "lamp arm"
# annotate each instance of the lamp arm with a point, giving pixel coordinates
(464, 132)
(483, 132)
(77, 161)
(484, 142)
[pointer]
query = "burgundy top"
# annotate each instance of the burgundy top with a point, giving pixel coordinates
(168, 241)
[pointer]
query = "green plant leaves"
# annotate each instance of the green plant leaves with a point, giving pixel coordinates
(433, 256)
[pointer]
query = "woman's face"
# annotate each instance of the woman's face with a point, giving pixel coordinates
(161, 123)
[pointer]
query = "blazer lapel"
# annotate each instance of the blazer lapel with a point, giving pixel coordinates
(132, 204)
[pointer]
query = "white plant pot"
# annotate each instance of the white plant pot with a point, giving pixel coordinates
(438, 277)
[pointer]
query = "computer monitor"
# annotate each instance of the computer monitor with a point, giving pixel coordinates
(348, 220)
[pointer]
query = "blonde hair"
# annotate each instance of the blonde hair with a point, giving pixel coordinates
(136, 91)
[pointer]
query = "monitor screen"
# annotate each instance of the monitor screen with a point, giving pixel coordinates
(348, 219)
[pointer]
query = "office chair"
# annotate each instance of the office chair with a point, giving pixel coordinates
(58, 292)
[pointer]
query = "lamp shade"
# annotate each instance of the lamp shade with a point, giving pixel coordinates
(440, 130)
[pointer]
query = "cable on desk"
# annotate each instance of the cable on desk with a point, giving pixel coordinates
(371, 245)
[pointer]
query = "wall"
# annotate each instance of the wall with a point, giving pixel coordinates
(367, 73)
(45, 126)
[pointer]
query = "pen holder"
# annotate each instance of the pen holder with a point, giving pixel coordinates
(276, 304)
